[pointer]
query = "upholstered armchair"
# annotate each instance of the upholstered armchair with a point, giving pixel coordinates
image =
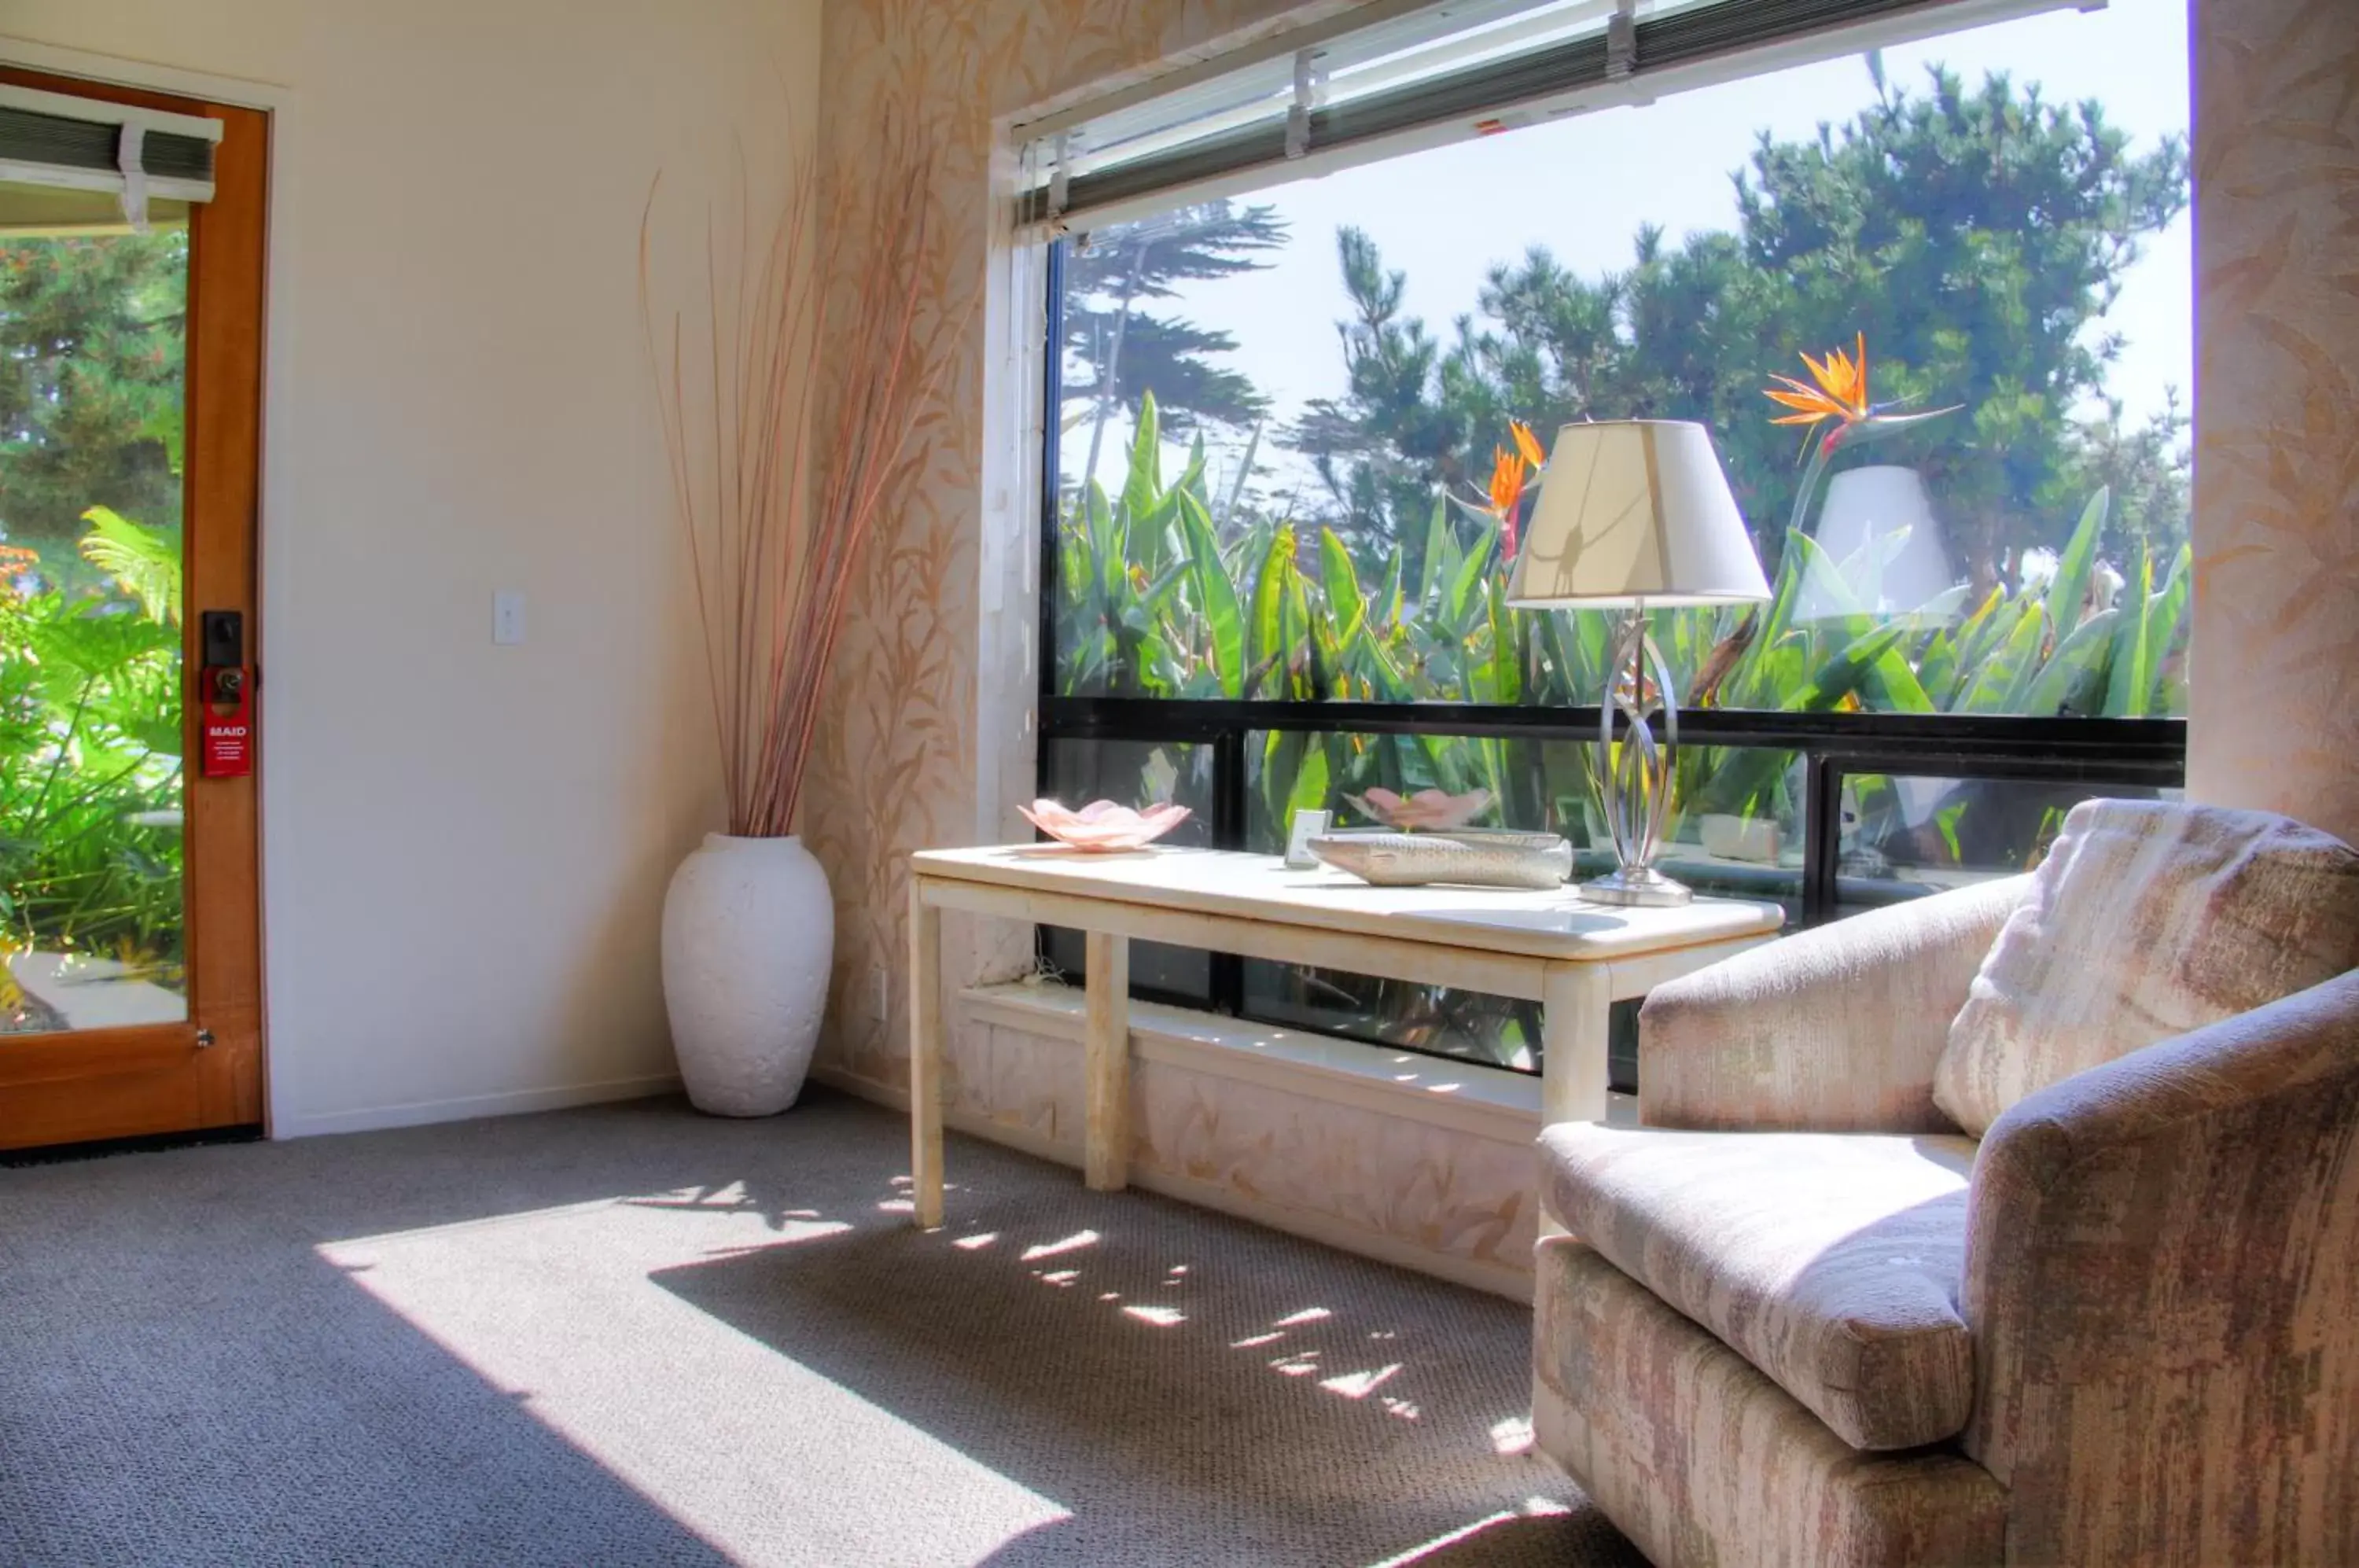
(2019, 1225)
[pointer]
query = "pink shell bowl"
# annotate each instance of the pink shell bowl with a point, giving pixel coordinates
(1428, 809)
(1101, 826)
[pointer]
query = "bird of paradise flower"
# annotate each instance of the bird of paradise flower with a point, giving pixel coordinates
(1511, 472)
(1839, 395)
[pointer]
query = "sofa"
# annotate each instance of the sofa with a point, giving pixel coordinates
(2016, 1224)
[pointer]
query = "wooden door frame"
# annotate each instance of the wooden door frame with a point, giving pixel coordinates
(208, 1072)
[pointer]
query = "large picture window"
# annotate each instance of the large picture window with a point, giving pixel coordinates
(1932, 301)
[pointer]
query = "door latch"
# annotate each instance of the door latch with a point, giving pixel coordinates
(204, 1038)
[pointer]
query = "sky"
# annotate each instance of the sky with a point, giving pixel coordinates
(1582, 186)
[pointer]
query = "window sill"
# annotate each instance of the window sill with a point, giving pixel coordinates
(1465, 1096)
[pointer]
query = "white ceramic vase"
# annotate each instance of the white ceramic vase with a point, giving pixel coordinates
(749, 942)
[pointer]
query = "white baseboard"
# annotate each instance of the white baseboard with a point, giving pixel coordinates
(1496, 1279)
(516, 1102)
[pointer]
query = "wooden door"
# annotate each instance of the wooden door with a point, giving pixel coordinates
(75, 1070)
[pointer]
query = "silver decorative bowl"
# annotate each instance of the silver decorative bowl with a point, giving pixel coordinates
(1474, 857)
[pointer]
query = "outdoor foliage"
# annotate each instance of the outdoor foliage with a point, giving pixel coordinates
(92, 336)
(1976, 237)
(1170, 591)
(90, 363)
(89, 757)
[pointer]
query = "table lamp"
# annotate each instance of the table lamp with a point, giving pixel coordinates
(1635, 514)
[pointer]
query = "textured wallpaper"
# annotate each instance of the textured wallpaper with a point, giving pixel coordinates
(2274, 706)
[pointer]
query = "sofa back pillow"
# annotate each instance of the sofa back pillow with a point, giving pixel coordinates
(2145, 921)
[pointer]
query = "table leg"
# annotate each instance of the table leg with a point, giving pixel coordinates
(1105, 1056)
(1577, 1014)
(925, 1057)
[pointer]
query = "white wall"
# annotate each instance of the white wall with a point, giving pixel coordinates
(465, 846)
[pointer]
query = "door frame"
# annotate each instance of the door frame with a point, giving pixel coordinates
(227, 954)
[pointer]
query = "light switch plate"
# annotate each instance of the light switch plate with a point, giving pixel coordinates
(507, 617)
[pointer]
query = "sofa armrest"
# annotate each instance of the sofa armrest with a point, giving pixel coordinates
(1835, 1029)
(2162, 1280)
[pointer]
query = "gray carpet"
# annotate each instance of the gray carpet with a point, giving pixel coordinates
(635, 1335)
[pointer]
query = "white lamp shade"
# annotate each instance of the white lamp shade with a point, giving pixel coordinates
(1635, 511)
(1880, 547)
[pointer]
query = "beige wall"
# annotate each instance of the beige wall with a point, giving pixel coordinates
(466, 845)
(2275, 686)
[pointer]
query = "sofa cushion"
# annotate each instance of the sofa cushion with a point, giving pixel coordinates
(1831, 1261)
(2145, 921)
(1698, 1458)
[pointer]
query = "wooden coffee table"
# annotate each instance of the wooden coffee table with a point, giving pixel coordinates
(1576, 959)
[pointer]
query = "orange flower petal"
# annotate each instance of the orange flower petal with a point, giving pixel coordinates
(1527, 443)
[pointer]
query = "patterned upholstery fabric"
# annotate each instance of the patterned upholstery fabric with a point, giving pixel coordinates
(1830, 1262)
(2147, 920)
(2162, 1271)
(1832, 1030)
(1701, 1460)
(2160, 1281)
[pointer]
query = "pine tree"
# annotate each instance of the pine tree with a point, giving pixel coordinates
(1974, 237)
(92, 330)
(1117, 349)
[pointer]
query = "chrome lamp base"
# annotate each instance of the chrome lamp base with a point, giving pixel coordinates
(1637, 886)
(1636, 776)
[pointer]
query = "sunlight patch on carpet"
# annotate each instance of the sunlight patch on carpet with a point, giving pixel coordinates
(777, 1447)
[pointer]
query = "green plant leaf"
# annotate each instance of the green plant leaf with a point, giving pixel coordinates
(1143, 485)
(2005, 673)
(2074, 679)
(2131, 682)
(1216, 598)
(2070, 586)
(2163, 627)
(144, 561)
(1341, 582)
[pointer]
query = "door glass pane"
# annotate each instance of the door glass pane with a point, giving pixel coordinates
(92, 326)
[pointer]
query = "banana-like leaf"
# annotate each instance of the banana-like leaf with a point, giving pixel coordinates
(2074, 679)
(1459, 599)
(2163, 629)
(2070, 585)
(1216, 598)
(1437, 540)
(2008, 669)
(1386, 610)
(2132, 679)
(1143, 485)
(1346, 610)
(1266, 624)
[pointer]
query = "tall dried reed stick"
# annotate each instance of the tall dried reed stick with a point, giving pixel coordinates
(777, 518)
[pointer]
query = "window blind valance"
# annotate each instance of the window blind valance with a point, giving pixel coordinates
(1386, 79)
(86, 144)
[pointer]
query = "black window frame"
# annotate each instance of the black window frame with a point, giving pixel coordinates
(2131, 753)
